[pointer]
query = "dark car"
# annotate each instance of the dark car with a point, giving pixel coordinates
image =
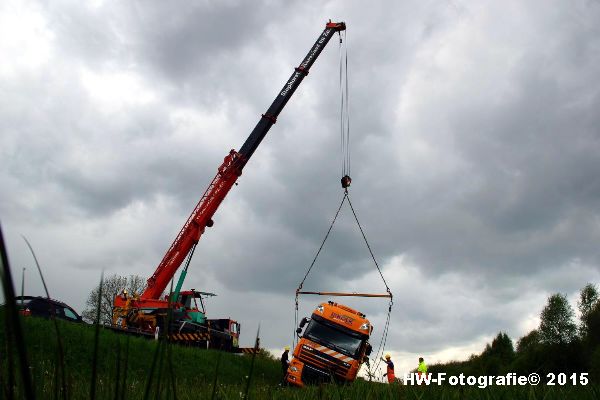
(45, 307)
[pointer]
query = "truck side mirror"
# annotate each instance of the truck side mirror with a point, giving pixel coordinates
(298, 331)
(368, 350)
(303, 322)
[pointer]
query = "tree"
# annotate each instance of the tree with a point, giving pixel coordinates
(111, 287)
(497, 356)
(592, 323)
(530, 354)
(502, 347)
(556, 325)
(528, 342)
(588, 298)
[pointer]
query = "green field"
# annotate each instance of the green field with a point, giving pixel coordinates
(124, 366)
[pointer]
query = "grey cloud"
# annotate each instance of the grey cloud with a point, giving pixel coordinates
(474, 154)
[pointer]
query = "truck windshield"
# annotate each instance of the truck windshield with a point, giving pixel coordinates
(333, 338)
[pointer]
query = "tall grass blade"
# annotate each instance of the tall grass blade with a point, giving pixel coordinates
(256, 342)
(61, 353)
(124, 389)
(23, 288)
(161, 359)
(151, 371)
(166, 337)
(10, 388)
(118, 370)
(12, 316)
(37, 265)
(96, 341)
(55, 378)
(334, 383)
(171, 372)
(214, 389)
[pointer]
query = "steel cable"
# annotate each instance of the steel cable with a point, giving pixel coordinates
(344, 105)
(345, 150)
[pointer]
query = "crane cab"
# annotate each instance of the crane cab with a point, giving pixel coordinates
(190, 303)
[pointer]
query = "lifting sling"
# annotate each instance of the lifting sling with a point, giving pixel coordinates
(387, 294)
(346, 181)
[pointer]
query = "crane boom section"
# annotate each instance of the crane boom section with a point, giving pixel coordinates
(229, 172)
(284, 95)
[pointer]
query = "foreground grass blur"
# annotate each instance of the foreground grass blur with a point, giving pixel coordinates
(194, 373)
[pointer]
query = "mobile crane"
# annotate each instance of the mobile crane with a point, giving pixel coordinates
(148, 312)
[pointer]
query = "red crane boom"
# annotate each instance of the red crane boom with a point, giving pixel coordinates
(176, 316)
(229, 172)
(193, 227)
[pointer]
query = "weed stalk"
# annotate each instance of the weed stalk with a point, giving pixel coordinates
(96, 341)
(13, 314)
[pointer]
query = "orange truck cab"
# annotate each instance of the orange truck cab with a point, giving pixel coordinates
(333, 346)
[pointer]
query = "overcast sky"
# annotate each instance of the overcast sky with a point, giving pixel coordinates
(475, 147)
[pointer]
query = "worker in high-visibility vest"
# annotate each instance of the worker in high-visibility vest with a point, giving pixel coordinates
(422, 368)
(390, 369)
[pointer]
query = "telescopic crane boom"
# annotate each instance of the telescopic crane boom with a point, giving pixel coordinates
(137, 311)
(229, 172)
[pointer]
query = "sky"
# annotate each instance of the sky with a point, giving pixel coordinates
(475, 151)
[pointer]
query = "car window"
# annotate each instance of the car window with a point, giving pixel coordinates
(22, 302)
(70, 314)
(58, 310)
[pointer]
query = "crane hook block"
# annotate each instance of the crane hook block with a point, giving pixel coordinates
(346, 181)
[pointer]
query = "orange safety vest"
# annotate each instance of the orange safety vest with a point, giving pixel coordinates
(390, 372)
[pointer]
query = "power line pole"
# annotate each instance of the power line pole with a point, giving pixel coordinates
(23, 286)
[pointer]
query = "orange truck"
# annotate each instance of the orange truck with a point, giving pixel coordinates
(333, 346)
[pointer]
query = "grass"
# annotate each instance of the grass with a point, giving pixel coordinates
(203, 374)
(192, 368)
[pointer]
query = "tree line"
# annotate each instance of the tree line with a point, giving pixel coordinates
(559, 344)
(111, 287)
